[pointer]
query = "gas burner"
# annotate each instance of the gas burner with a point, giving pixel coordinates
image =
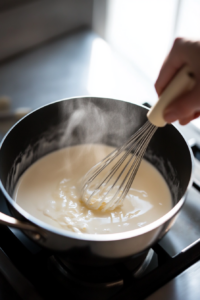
(102, 282)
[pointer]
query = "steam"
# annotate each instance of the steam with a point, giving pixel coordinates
(87, 124)
(87, 121)
(81, 121)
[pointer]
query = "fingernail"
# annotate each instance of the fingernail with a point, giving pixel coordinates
(170, 117)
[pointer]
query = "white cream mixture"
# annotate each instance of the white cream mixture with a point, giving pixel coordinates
(50, 190)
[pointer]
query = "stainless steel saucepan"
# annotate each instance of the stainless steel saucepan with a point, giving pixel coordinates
(91, 120)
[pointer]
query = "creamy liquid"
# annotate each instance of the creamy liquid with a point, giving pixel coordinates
(50, 190)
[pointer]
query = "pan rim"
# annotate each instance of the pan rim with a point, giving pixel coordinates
(108, 237)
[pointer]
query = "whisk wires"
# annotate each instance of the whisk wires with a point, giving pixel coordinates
(129, 158)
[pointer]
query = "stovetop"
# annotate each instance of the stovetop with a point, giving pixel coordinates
(30, 272)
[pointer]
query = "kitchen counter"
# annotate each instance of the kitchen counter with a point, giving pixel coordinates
(76, 64)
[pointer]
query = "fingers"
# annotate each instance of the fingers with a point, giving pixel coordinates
(184, 108)
(183, 52)
(189, 119)
(173, 62)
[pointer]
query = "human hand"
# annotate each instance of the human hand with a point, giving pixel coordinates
(187, 107)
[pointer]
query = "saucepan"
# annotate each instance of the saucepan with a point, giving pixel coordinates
(91, 120)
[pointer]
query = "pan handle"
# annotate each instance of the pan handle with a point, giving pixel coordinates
(196, 185)
(196, 152)
(34, 231)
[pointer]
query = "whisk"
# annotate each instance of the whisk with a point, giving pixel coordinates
(107, 184)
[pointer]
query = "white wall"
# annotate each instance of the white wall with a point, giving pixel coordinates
(142, 31)
(188, 24)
